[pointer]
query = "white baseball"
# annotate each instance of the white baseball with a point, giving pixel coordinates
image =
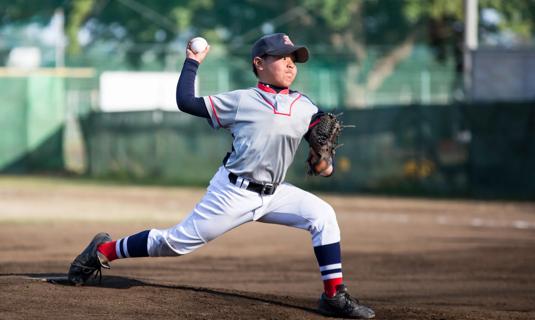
(198, 44)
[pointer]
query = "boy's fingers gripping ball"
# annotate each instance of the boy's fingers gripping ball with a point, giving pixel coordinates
(198, 44)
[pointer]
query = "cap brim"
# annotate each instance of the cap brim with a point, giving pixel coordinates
(301, 53)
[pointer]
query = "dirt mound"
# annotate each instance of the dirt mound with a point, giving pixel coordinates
(407, 259)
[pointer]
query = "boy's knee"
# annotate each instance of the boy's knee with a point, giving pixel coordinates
(330, 221)
(163, 243)
(326, 227)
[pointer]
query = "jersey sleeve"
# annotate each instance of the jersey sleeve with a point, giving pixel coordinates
(222, 108)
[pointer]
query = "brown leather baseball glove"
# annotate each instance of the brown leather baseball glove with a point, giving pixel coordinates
(323, 141)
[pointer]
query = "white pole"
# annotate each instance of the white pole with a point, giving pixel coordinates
(471, 23)
(470, 42)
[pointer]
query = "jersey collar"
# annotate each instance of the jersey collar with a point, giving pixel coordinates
(267, 88)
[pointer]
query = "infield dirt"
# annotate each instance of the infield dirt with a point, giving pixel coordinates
(406, 258)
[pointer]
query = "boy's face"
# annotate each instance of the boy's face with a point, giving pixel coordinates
(279, 71)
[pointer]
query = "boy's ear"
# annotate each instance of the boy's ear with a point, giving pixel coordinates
(258, 63)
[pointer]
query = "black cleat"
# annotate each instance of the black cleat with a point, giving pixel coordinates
(89, 261)
(344, 306)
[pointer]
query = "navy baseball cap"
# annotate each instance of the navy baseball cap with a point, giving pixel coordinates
(278, 44)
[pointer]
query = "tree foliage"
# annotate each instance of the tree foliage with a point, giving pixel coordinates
(368, 37)
(332, 26)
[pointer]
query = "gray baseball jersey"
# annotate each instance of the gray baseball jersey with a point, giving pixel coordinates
(267, 128)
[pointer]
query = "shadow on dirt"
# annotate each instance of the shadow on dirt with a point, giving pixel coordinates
(117, 282)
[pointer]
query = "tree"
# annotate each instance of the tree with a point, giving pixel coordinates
(341, 30)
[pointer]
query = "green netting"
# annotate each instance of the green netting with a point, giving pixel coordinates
(481, 150)
(438, 150)
(46, 116)
(13, 122)
(32, 123)
(326, 79)
(503, 149)
(156, 146)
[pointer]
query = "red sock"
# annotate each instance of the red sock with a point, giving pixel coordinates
(330, 286)
(108, 249)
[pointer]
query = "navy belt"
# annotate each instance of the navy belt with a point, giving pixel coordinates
(260, 188)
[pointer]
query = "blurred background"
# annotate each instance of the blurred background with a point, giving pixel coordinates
(442, 93)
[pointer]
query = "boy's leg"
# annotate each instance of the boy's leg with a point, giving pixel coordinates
(222, 208)
(297, 208)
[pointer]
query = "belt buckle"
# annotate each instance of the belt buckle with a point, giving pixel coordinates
(267, 188)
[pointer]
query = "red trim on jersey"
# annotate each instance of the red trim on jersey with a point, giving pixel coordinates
(213, 109)
(265, 88)
(314, 123)
(280, 113)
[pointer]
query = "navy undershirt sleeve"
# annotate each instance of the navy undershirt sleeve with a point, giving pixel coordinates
(185, 91)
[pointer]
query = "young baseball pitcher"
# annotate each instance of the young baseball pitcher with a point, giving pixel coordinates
(267, 123)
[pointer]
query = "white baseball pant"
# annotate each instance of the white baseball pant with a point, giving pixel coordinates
(226, 206)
